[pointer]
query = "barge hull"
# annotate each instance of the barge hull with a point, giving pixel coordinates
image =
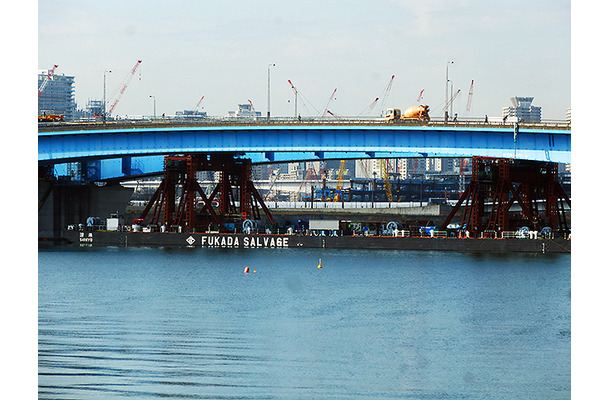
(245, 241)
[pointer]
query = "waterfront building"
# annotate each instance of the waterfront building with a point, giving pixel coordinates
(450, 166)
(522, 110)
(244, 110)
(259, 172)
(58, 96)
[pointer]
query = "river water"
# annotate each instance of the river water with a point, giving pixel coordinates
(145, 323)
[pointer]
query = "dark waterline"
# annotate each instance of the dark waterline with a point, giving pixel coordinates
(119, 323)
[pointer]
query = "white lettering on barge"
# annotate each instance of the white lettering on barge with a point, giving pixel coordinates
(247, 242)
(85, 239)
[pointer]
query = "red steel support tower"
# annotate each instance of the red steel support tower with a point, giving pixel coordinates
(497, 183)
(234, 198)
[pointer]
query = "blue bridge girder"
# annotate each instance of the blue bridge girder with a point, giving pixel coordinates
(277, 143)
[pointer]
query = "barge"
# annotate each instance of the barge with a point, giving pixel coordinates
(296, 241)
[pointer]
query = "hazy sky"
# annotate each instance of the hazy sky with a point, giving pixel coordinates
(221, 50)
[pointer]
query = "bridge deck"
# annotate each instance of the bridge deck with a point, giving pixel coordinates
(219, 122)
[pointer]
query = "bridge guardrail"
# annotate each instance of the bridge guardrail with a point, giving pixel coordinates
(290, 121)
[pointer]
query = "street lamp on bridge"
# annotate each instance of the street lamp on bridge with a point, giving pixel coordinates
(447, 90)
(269, 90)
(154, 106)
(104, 99)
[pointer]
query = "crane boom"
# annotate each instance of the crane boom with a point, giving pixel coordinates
(294, 89)
(469, 103)
(198, 104)
(386, 92)
(328, 103)
(386, 179)
(451, 100)
(340, 181)
(124, 87)
(46, 80)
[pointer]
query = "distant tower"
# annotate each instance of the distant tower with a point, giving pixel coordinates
(523, 110)
(58, 96)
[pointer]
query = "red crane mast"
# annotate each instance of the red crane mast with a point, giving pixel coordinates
(469, 103)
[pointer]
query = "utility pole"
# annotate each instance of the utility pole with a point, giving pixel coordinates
(451, 105)
(154, 106)
(269, 90)
(104, 99)
(447, 90)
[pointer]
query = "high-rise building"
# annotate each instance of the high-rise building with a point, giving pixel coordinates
(523, 110)
(57, 96)
(95, 108)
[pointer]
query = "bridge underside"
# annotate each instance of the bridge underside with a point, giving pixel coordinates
(117, 151)
(500, 182)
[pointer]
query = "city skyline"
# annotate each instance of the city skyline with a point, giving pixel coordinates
(193, 49)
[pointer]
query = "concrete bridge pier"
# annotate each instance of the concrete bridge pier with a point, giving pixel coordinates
(70, 203)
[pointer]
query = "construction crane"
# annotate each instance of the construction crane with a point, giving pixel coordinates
(386, 179)
(340, 181)
(370, 107)
(294, 89)
(326, 111)
(469, 103)
(46, 80)
(198, 104)
(124, 86)
(276, 175)
(386, 92)
(451, 100)
(297, 94)
(311, 174)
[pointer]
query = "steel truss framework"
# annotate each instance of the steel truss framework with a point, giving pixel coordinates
(234, 199)
(498, 183)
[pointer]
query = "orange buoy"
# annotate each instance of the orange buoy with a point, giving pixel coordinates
(246, 270)
(320, 263)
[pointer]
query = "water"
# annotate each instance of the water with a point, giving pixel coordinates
(189, 324)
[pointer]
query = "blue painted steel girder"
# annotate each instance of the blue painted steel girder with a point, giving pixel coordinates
(283, 142)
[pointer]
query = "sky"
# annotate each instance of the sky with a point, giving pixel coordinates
(222, 50)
